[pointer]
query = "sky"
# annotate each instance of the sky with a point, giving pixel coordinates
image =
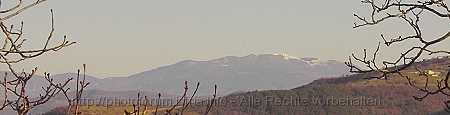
(122, 38)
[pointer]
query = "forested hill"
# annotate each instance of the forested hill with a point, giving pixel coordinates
(344, 95)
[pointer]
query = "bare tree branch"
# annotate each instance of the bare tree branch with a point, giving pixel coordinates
(410, 13)
(16, 85)
(403, 10)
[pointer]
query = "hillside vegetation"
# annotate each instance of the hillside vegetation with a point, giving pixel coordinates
(344, 95)
(348, 94)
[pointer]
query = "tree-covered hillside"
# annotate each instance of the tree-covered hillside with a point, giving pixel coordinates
(343, 95)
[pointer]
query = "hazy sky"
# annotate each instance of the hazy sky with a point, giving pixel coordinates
(121, 38)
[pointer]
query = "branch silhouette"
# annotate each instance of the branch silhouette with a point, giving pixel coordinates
(409, 13)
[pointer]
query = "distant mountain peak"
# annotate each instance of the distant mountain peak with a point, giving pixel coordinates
(315, 61)
(287, 57)
(311, 61)
(232, 73)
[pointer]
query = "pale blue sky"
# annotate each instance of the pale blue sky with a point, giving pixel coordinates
(121, 38)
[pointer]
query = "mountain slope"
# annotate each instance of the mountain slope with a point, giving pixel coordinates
(231, 74)
(344, 95)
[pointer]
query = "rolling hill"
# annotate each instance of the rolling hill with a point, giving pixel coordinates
(230, 73)
(350, 94)
(343, 95)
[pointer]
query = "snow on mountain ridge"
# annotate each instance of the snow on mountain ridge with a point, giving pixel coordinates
(317, 62)
(287, 57)
(226, 61)
(310, 61)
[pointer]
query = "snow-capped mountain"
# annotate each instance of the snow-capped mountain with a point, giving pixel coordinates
(230, 73)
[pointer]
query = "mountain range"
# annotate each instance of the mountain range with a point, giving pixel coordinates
(344, 95)
(230, 74)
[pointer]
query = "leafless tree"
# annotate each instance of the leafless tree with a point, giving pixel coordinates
(182, 103)
(411, 14)
(12, 52)
(81, 85)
